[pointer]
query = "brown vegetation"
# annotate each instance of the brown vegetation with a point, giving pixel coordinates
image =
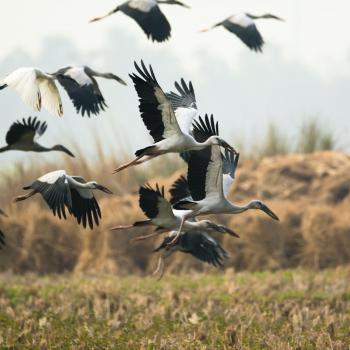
(310, 193)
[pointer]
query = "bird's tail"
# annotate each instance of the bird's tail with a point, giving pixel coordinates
(145, 151)
(185, 205)
(25, 196)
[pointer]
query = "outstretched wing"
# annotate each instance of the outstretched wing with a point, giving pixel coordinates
(179, 190)
(230, 163)
(55, 190)
(25, 131)
(50, 97)
(184, 104)
(156, 110)
(150, 19)
(82, 89)
(153, 202)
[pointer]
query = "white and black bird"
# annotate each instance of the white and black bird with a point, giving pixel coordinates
(161, 215)
(61, 191)
(210, 175)
(198, 244)
(23, 136)
(82, 87)
(159, 117)
(243, 25)
(36, 88)
(148, 16)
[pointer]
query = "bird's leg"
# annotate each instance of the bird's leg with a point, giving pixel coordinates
(141, 238)
(102, 17)
(25, 196)
(160, 265)
(174, 240)
(126, 227)
(126, 165)
(146, 159)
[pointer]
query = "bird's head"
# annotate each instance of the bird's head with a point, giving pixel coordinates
(173, 2)
(218, 141)
(211, 226)
(257, 204)
(96, 186)
(63, 149)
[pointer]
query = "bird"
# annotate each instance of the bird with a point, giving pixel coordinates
(148, 16)
(23, 136)
(36, 89)
(243, 26)
(199, 244)
(161, 215)
(82, 88)
(210, 175)
(158, 116)
(3, 213)
(61, 191)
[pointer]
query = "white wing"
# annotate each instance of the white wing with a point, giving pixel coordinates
(185, 118)
(241, 19)
(214, 178)
(227, 181)
(24, 82)
(142, 5)
(52, 177)
(50, 96)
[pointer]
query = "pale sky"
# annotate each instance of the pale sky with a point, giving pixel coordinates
(304, 70)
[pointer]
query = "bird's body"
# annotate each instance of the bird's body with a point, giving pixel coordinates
(83, 89)
(244, 27)
(36, 89)
(147, 14)
(62, 191)
(198, 244)
(158, 114)
(161, 215)
(23, 136)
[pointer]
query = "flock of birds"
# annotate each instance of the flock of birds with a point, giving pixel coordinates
(173, 121)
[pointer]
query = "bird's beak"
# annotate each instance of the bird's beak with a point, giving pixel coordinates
(104, 189)
(269, 212)
(229, 231)
(68, 152)
(182, 4)
(119, 80)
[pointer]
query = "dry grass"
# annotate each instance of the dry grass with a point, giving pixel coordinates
(284, 310)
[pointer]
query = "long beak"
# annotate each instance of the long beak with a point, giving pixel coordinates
(69, 152)
(269, 212)
(104, 189)
(229, 231)
(119, 80)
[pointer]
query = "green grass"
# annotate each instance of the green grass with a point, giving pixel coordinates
(278, 310)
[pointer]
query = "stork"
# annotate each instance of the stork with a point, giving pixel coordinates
(160, 214)
(159, 117)
(23, 136)
(61, 191)
(148, 16)
(199, 244)
(243, 26)
(82, 87)
(209, 183)
(36, 89)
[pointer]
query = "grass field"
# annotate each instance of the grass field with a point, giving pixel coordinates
(291, 309)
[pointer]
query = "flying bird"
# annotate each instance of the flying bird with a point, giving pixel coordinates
(35, 88)
(148, 16)
(82, 88)
(199, 244)
(61, 191)
(210, 175)
(23, 136)
(158, 115)
(242, 25)
(161, 215)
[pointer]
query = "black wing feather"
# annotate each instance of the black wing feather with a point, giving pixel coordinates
(148, 200)
(184, 97)
(25, 130)
(179, 190)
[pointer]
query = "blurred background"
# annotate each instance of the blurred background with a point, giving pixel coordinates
(286, 110)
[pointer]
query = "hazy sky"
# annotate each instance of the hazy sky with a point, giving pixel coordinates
(304, 70)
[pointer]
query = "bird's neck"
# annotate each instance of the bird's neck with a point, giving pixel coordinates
(236, 209)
